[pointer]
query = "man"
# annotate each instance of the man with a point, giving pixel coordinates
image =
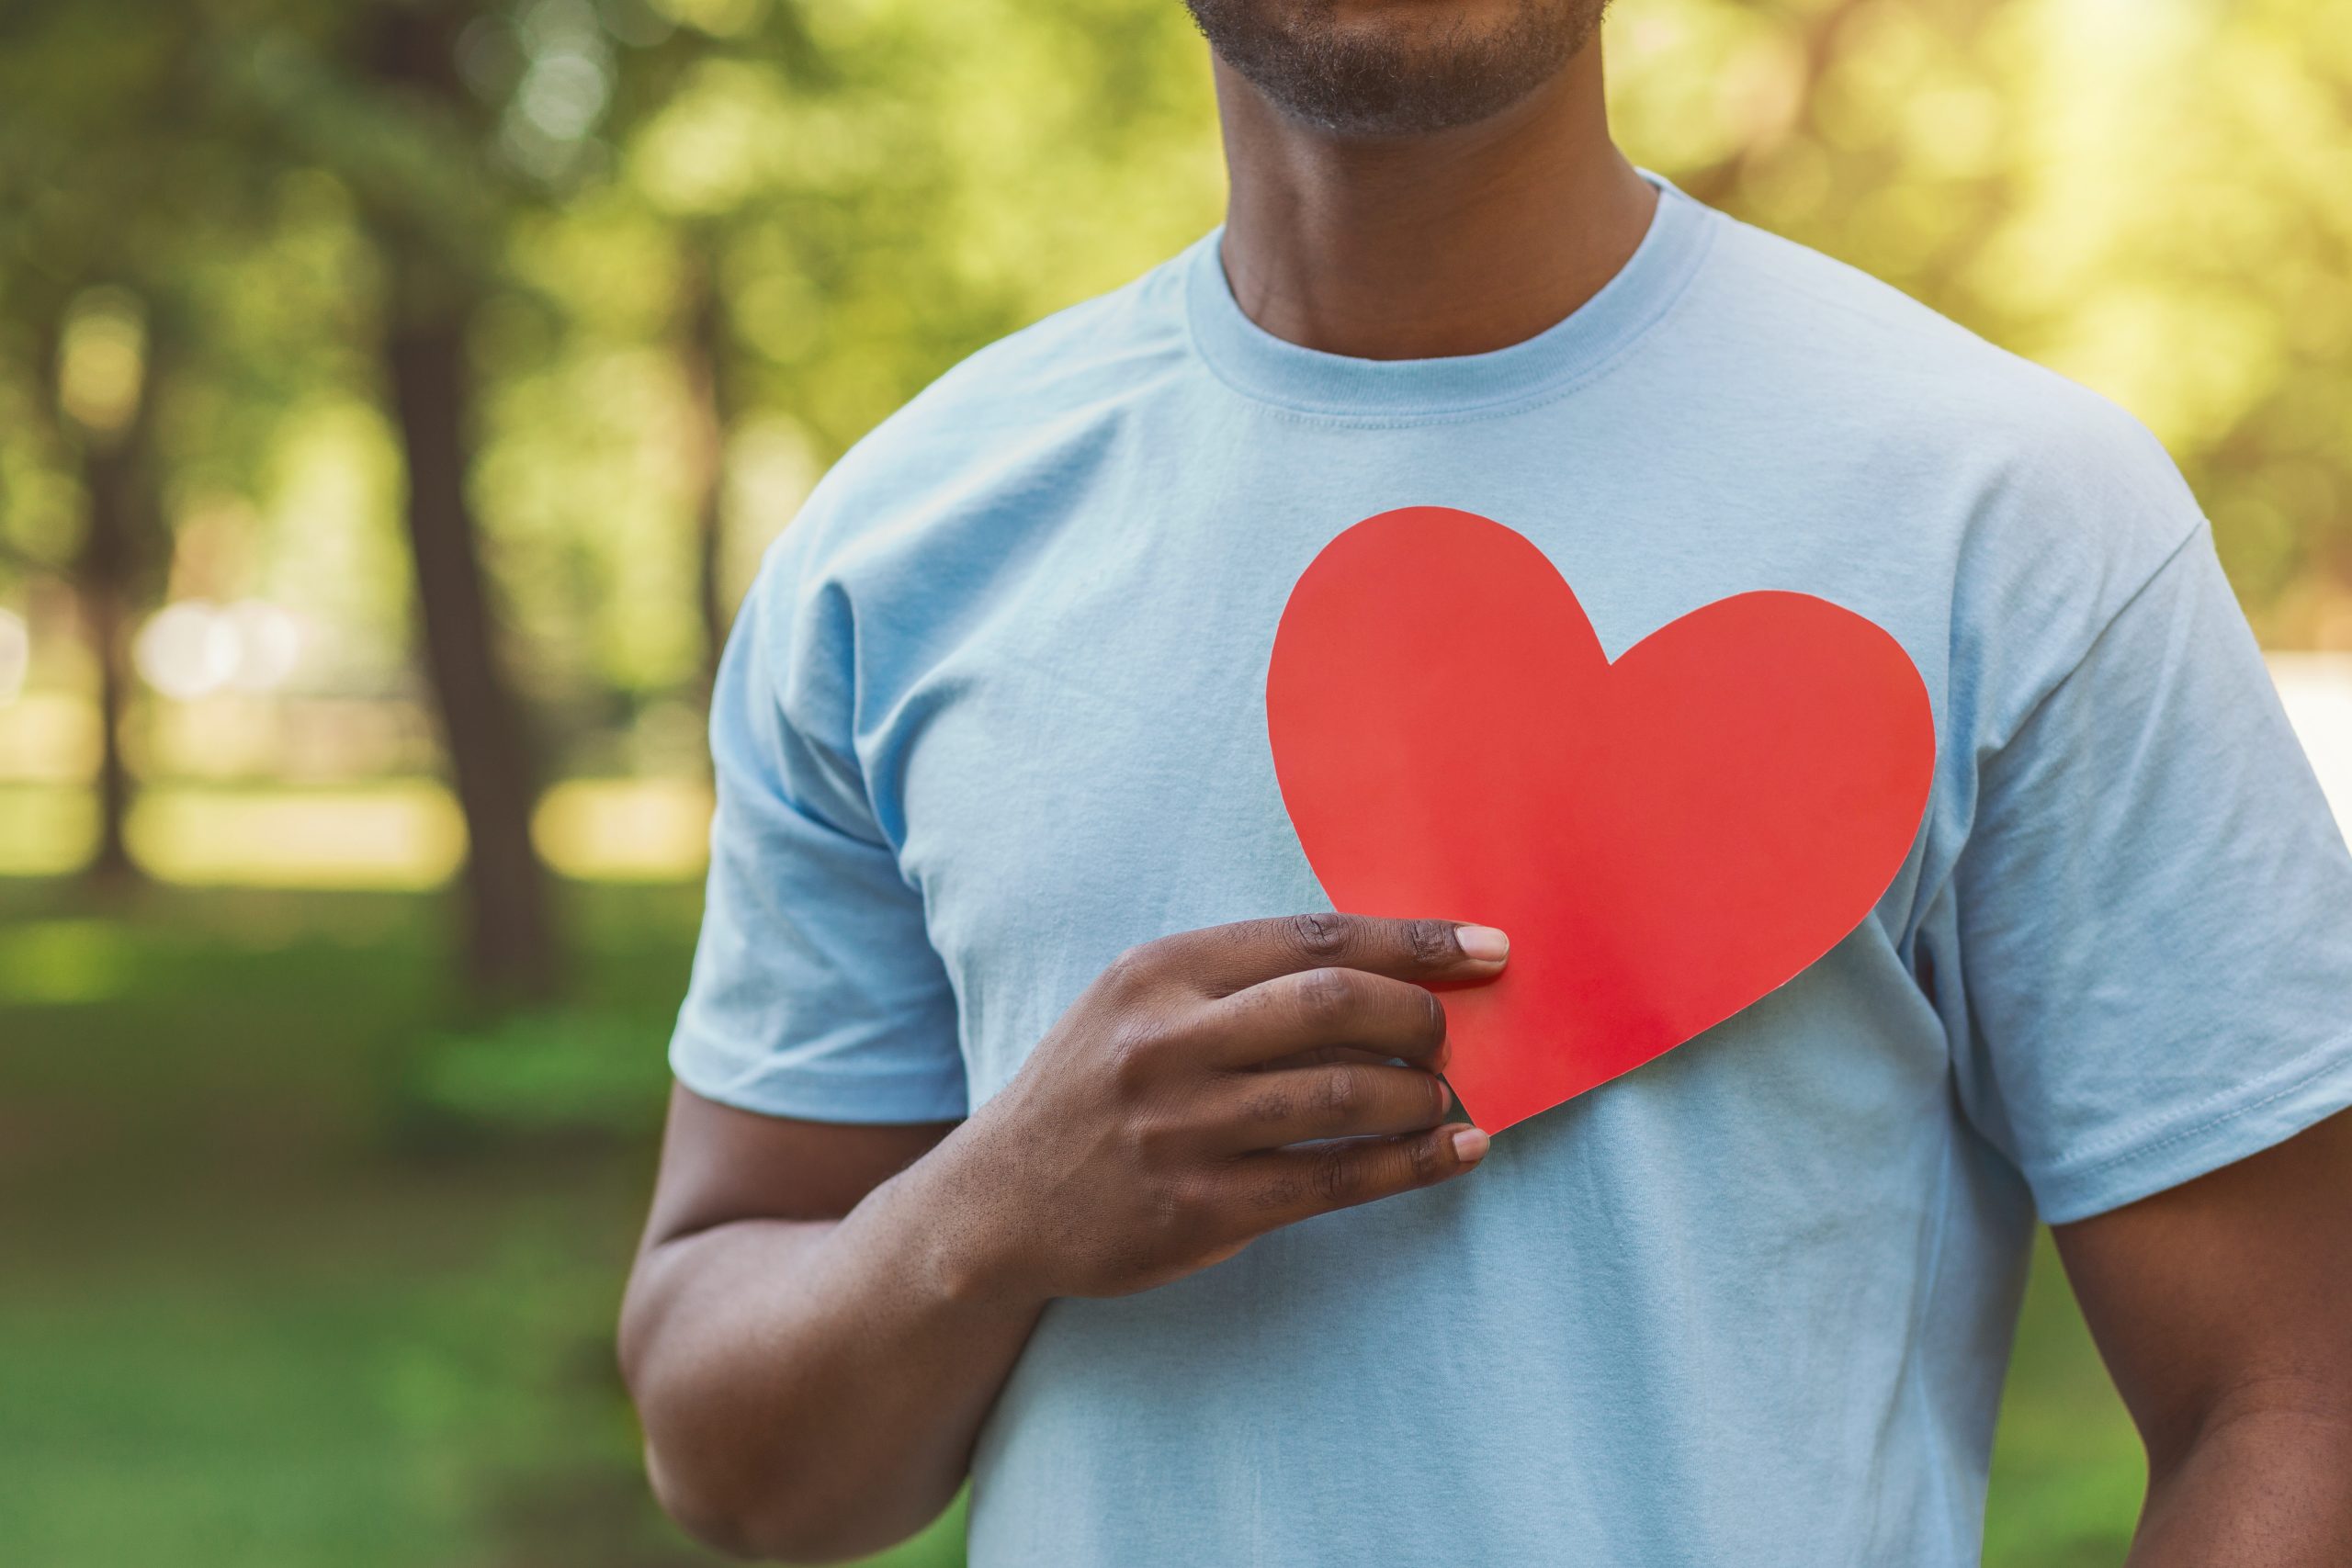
(1039, 1121)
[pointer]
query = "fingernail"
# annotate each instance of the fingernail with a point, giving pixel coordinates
(1445, 1095)
(1470, 1146)
(1483, 943)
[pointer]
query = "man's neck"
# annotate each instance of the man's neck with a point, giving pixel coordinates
(1422, 248)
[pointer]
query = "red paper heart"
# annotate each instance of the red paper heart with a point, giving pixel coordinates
(1665, 839)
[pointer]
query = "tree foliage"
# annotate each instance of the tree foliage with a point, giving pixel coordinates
(689, 250)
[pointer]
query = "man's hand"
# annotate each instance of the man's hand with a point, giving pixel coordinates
(821, 1316)
(1158, 1129)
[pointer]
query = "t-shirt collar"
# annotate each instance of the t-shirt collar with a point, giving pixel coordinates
(1260, 364)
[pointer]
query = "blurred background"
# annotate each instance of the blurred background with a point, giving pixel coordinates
(394, 399)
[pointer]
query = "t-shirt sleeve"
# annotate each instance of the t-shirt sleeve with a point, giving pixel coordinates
(816, 992)
(2154, 912)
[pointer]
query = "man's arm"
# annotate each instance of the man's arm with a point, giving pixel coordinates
(748, 1257)
(821, 1316)
(2223, 1308)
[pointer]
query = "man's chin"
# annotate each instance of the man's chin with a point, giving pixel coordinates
(1396, 67)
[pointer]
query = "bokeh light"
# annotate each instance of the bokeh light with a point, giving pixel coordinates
(188, 650)
(270, 644)
(193, 648)
(16, 655)
(102, 360)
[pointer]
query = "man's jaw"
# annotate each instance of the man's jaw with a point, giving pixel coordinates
(1395, 68)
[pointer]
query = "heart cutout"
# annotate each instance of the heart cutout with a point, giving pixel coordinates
(1667, 838)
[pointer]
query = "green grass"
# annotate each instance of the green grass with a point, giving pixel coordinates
(2067, 1470)
(295, 1273)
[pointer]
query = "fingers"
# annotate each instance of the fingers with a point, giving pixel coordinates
(1225, 959)
(1290, 1185)
(1316, 1056)
(1266, 1111)
(1322, 1009)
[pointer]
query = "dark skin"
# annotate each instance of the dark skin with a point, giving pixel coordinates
(821, 1316)
(2223, 1309)
(1461, 240)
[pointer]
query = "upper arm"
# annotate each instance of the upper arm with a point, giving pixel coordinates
(816, 1053)
(720, 1165)
(2152, 974)
(815, 993)
(2232, 1293)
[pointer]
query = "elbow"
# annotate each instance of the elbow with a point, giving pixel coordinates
(694, 1470)
(722, 1530)
(730, 1530)
(738, 1473)
(771, 1523)
(731, 1526)
(2290, 1421)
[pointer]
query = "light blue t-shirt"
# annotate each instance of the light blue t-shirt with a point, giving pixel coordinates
(995, 711)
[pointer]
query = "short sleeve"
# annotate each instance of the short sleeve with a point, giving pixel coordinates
(2154, 913)
(816, 992)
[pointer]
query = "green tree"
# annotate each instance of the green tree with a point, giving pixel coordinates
(457, 124)
(101, 199)
(2148, 199)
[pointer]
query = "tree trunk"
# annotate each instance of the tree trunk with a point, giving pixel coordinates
(122, 528)
(118, 482)
(511, 940)
(510, 945)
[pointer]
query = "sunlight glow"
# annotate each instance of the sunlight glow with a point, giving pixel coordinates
(193, 648)
(16, 655)
(186, 649)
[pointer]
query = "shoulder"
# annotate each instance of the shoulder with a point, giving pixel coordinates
(931, 504)
(1020, 412)
(1854, 372)
(1873, 366)
(2043, 507)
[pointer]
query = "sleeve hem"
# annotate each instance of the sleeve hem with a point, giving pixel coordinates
(2216, 1132)
(867, 1097)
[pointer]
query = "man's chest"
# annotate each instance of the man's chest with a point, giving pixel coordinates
(1087, 764)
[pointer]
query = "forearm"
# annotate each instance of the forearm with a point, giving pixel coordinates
(2268, 1484)
(812, 1391)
